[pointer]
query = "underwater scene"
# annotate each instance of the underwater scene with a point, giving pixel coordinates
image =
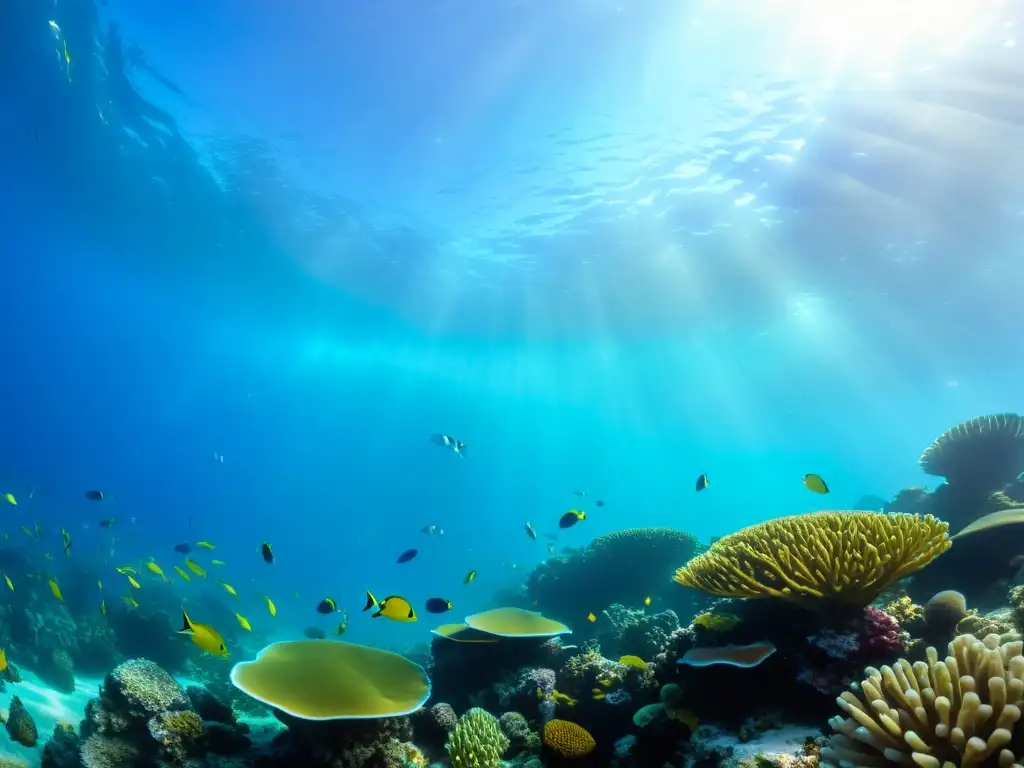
(511, 383)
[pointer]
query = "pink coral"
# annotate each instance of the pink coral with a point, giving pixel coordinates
(881, 633)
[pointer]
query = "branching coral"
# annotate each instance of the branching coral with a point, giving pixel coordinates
(960, 711)
(477, 741)
(847, 556)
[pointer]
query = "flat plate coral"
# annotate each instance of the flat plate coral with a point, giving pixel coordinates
(516, 622)
(333, 680)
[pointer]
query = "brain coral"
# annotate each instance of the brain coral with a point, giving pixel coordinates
(961, 711)
(147, 688)
(986, 452)
(848, 556)
(477, 741)
(568, 739)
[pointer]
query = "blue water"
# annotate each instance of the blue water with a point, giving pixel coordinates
(612, 245)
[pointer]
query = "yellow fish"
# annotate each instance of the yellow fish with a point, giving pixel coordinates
(393, 607)
(99, 584)
(243, 622)
(205, 545)
(270, 606)
(103, 607)
(591, 618)
(56, 590)
(815, 483)
(26, 529)
(182, 572)
(597, 694)
(205, 636)
(647, 600)
(9, 498)
(217, 562)
(134, 583)
(469, 577)
(156, 569)
(131, 601)
(67, 60)
(229, 589)
(3, 659)
(123, 569)
(195, 567)
(10, 584)
(67, 542)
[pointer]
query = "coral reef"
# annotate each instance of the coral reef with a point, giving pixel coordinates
(846, 556)
(634, 631)
(651, 555)
(20, 725)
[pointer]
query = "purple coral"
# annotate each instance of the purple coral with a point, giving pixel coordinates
(881, 632)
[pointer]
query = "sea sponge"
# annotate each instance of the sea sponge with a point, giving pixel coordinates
(847, 556)
(944, 610)
(477, 741)
(961, 711)
(333, 680)
(176, 731)
(906, 612)
(147, 688)
(568, 739)
(983, 453)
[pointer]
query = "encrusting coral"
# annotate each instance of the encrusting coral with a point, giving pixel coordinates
(961, 711)
(848, 556)
(477, 741)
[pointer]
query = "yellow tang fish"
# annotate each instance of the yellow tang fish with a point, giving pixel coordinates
(228, 588)
(203, 635)
(182, 572)
(243, 622)
(815, 483)
(205, 545)
(217, 562)
(131, 601)
(9, 498)
(103, 607)
(647, 600)
(134, 583)
(270, 605)
(591, 618)
(10, 584)
(3, 659)
(195, 567)
(157, 570)
(56, 590)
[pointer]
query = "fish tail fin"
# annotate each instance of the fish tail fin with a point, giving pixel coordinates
(377, 615)
(186, 624)
(371, 602)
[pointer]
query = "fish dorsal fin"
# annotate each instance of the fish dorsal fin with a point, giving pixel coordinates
(186, 624)
(370, 601)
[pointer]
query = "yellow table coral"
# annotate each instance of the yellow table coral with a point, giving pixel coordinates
(848, 556)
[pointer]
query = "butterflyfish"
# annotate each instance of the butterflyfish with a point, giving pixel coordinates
(395, 608)
(570, 518)
(815, 483)
(327, 605)
(438, 605)
(203, 635)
